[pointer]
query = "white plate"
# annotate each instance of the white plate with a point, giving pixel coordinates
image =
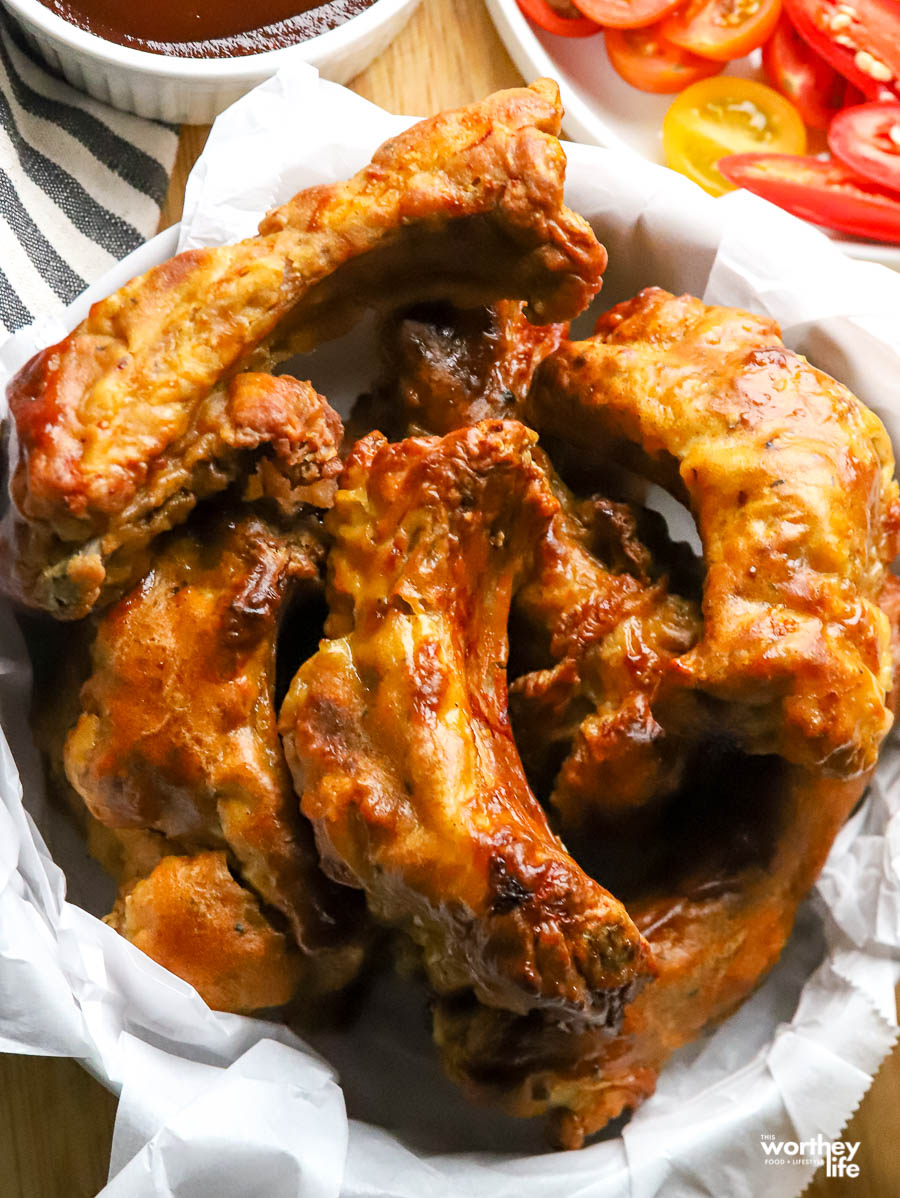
(603, 110)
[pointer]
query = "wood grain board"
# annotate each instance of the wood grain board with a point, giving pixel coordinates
(55, 1121)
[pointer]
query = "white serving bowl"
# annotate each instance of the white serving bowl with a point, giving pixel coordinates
(602, 109)
(223, 1104)
(195, 90)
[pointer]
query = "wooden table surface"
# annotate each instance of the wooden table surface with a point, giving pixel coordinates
(55, 1121)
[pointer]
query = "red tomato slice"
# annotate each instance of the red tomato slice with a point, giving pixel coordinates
(814, 87)
(646, 60)
(852, 96)
(722, 29)
(551, 21)
(626, 14)
(825, 193)
(860, 38)
(867, 140)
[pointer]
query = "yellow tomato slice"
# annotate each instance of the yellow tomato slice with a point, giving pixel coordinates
(717, 117)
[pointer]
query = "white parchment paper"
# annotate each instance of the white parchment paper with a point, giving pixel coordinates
(224, 1106)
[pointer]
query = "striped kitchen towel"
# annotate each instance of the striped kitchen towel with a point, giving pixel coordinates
(81, 185)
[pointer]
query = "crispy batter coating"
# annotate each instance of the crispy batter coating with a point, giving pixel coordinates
(715, 932)
(301, 431)
(249, 867)
(193, 917)
(790, 479)
(93, 485)
(398, 737)
(597, 632)
(611, 635)
(178, 736)
(121, 427)
(183, 908)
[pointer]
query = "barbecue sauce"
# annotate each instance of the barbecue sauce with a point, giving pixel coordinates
(206, 28)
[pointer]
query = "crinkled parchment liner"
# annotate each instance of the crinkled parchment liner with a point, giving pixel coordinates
(217, 1104)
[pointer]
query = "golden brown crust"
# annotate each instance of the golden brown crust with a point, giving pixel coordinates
(611, 635)
(191, 916)
(398, 738)
(717, 924)
(791, 481)
(72, 543)
(551, 996)
(714, 935)
(593, 632)
(118, 427)
(303, 433)
(178, 736)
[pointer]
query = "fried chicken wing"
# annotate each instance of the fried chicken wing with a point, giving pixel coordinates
(398, 737)
(190, 915)
(446, 367)
(178, 736)
(790, 479)
(585, 724)
(96, 482)
(119, 429)
(587, 612)
(715, 931)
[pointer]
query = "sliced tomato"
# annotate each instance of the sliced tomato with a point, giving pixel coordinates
(824, 192)
(626, 14)
(811, 84)
(722, 29)
(646, 60)
(852, 96)
(867, 140)
(553, 21)
(859, 38)
(727, 116)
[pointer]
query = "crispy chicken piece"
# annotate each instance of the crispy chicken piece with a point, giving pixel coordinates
(588, 610)
(121, 428)
(94, 495)
(398, 738)
(790, 479)
(714, 932)
(734, 857)
(190, 915)
(301, 431)
(611, 635)
(446, 367)
(178, 736)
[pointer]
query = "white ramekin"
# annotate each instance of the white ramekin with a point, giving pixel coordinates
(195, 90)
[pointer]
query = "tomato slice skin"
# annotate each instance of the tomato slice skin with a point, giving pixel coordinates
(852, 96)
(816, 89)
(548, 19)
(647, 61)
(722, 29)
(825, 193)
(844, 40)
(867, 140)
(626, 14)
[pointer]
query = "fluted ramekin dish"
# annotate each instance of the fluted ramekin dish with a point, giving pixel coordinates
(195, 90)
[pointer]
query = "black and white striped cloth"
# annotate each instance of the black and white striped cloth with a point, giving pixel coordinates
(81, 185)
